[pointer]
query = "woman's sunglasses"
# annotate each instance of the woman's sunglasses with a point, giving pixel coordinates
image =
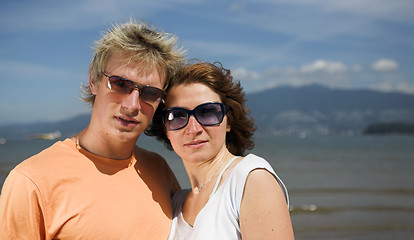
(207, 114)
(124, 86)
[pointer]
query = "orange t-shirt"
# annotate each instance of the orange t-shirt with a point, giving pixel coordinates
(68, 193)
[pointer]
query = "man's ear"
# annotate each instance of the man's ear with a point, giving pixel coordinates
(93, 85)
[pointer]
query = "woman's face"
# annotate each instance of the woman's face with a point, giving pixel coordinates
(196, 143)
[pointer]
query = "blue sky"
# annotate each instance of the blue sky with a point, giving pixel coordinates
(45, 46)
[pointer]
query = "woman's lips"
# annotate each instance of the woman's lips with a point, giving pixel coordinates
(196, 144)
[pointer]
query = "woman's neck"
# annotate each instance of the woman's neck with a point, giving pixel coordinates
(202, 174)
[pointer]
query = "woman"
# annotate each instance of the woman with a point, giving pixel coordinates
(206, 122)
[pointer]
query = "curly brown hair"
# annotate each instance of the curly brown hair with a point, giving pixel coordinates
(219, 79)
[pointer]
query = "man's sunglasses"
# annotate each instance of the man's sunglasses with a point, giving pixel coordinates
(207, 114)
(124, 86)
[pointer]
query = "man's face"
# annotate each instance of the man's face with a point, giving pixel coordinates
(118, 116)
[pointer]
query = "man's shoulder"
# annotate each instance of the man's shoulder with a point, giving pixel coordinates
(45, 158)
(154, 165)
(149, 157)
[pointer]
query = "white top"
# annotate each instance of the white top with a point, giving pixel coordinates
(219, 218)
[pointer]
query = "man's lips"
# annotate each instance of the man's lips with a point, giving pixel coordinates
(126, 121)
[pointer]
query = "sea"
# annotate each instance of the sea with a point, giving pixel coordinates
(340, 187)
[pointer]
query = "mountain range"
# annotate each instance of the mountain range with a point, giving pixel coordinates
(313, 109)
(319, 110)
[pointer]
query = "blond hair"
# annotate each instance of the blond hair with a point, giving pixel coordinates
(137, 42)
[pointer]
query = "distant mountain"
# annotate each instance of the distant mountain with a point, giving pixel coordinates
(284, 111)
(67, 128)
(316, 109)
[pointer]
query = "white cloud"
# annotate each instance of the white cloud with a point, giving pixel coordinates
(385, 65)
(383, 9)
(30, 71)
(237, 6)
(328, 73)
(217, 48)
(76, 14)
(333, 74)
(324, 66)
(243, 74)
(356, 68)
(390, 86)
(320, 19)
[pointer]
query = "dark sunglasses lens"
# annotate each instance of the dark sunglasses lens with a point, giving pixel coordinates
(120, 85)
(209, 114)
(175, 118)
(151, 94)
(123, 86)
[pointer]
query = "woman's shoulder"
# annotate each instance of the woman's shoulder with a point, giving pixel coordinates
(247, 167)
(252, 162)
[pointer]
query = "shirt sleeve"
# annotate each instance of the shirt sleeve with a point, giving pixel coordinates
(21, 210)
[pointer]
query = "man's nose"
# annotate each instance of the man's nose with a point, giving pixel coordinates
(132, 101)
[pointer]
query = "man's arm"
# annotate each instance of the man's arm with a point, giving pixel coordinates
(21, 215)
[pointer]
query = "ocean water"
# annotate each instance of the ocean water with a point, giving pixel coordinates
(340, 187)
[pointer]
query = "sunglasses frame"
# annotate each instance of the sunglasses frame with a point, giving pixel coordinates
(224, 109)
(139, 87)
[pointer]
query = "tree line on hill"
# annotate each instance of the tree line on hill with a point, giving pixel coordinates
(392, 128)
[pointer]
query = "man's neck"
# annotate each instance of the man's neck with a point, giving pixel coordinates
(104, 146)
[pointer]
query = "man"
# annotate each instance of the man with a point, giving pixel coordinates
(99, 184)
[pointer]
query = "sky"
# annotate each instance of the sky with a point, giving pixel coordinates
(46, 46)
